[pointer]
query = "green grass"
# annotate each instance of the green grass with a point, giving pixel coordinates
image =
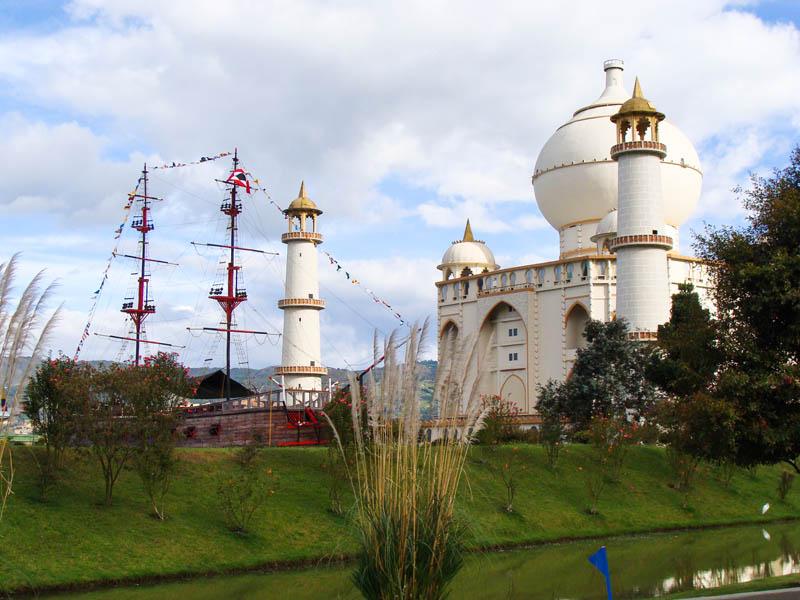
(72, 540)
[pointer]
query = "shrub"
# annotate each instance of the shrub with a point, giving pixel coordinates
(785, 484)
(553, 429)
(726, 469)
(611, 440)
(595, 480)
(410, 545)
(53, 405)
(246, 489)
(499, 421)
(508, 471)
(155, 390)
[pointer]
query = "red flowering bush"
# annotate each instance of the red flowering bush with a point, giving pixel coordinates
(499, 421)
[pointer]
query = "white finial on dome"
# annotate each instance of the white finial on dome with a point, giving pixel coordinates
(614, 91)
(575, 180)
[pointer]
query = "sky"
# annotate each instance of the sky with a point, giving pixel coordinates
(403, 118)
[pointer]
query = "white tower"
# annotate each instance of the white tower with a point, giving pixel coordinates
(300, 363)
(642, 239)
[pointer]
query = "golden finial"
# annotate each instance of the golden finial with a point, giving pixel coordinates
(302, 193)
(637, 89)
(468, 237)
(637, 105)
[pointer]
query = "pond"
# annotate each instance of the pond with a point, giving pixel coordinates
(641, 567)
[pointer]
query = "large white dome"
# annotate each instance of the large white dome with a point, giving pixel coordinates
(575, 179)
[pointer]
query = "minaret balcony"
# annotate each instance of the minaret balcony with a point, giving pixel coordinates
(317, 303)
(301, 370)
(659, 241)
(639, 146)
(293, 236)
(643, 336)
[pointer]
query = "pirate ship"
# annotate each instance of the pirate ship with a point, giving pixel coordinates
(224, 411)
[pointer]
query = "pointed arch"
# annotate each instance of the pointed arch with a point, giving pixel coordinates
(502, 351)
(513, 390)
(575, 321)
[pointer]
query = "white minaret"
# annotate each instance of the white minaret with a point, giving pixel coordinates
(642, 242)
(300, 364)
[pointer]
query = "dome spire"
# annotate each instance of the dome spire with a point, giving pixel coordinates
(302, 193)
(637, 89)
(468, 237)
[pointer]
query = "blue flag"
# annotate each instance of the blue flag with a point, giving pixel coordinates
(600, 562)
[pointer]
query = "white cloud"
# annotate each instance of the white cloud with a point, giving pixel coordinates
(451, 100)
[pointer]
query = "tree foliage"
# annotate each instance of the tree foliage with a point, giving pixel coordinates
(161, 385)
(53, 404)
(756, 272)
(608, 378)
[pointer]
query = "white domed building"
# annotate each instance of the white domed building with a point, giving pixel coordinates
(594, 176)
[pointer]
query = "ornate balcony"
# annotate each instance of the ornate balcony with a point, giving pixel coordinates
(301, 370)
(639, 146)
(317, 303)
(643, 336)
(293, 236)
(662, 241)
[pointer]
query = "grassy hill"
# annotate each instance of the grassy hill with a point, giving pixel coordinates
(72, 540)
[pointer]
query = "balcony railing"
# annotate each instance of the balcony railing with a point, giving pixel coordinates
(309, 302)
(656, 147)
(301, 370)
(302, 235)
(663, 241)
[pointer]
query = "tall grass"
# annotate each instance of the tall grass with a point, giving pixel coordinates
(24, 330)
(405, 488)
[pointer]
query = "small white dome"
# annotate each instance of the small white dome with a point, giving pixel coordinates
(575, 179)
(607, 227)
(468, 253)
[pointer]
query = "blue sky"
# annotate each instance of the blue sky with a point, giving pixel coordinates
(403, 118)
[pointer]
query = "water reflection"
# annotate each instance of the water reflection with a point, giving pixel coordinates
(641, 567)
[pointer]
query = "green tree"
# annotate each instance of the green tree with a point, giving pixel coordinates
(608, 378)
(756, 271)
(552, 431)
(156, 390)
(692, 422)
(687, 353)
(108, 421)
(53, 404)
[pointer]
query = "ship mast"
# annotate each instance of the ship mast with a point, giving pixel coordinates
(230, 295)
(142, 307)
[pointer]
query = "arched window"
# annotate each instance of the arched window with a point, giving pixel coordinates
(456, 290)
(570, 271)
(503, 280)
(540, 276)
(480, 284)
(444, 293)
(557, 273)
(512, 278)
(585, 269)
(529, 276)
